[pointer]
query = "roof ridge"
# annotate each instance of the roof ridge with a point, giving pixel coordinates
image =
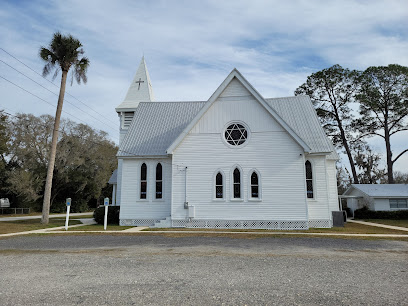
(288, 97)
(167, 102)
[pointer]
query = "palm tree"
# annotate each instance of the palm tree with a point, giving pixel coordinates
(63, 53)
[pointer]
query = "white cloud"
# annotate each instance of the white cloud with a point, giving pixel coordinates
(191, 46)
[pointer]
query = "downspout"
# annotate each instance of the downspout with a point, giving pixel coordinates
(185, 189)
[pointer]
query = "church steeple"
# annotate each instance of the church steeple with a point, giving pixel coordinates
(140, 90)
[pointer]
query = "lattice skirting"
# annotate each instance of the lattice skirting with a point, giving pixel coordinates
(237, 224)
(277, 225)
(138, 222)
(320, 223)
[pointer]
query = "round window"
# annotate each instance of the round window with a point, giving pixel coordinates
(236, 134)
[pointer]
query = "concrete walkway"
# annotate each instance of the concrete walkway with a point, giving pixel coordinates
(72, 216)
(135, 229)
(398, 228)
(42, 231)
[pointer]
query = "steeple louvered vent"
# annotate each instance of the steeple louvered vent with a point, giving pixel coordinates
(127, 119)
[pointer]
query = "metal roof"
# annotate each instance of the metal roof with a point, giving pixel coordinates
(381, 190)
(156, 125)
(299, 113)
(114, 178)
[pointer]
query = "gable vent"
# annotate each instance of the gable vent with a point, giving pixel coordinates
(127, 119)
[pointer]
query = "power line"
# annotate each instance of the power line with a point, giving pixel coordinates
(41, 99)
(55, 85)
(60, 131)
(97, 143)
(55, 94)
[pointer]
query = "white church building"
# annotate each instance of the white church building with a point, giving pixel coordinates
(237, 160)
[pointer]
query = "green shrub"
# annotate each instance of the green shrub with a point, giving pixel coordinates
(365, 213)
(113, 214)
(77, 206)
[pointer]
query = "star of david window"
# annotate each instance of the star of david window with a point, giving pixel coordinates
(236, 134)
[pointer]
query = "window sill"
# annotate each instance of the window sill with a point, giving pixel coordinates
(143, 200)
(236, 200)
(254, 200)
(218, 200)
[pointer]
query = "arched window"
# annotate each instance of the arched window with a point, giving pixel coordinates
(143, 181)
(219, 188)
(254, 185)
(237, 184)
(159, 181)
(309, 180)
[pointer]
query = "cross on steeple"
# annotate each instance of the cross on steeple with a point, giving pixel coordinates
(140, 81)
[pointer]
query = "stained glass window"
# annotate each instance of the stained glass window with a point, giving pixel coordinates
(236, 134)
(219, 188)
(254, 185)
(309, 180)
(237, 184)
(143, 181)
(159, 181)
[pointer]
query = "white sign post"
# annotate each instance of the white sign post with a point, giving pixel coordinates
(105, 220)
(68, 208)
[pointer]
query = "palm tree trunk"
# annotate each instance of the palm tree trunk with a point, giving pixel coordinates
(51, 162)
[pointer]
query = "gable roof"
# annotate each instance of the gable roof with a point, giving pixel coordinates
(155, 126)
(236, 74)
(381, 190)
(140, 90)
(158, 126)
(300, 114)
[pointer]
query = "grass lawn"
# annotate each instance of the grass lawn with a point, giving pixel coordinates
(31, 224)
(349, 228)
(402, 223)
(98, 227)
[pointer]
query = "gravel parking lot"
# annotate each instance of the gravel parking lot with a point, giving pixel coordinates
(158, 270)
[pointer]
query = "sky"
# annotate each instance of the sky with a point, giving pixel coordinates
(190, 47)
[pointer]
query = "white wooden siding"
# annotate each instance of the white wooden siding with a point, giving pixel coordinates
(235, 89)
(332, 185)
(319, 205)
(382, 204)
(275, 156)
(132, 207)
(245, 109)
(119, 182)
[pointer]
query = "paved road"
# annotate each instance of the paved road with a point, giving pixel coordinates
(157, 270)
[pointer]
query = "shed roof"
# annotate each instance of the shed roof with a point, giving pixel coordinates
(114, 178)
(381, 190)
